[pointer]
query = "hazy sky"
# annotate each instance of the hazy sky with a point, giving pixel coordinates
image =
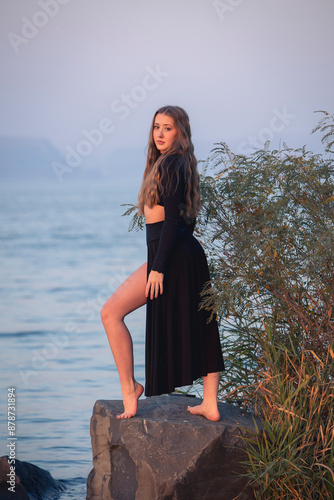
(245, 70)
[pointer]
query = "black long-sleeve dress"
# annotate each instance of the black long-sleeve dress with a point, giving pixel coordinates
(181, 345)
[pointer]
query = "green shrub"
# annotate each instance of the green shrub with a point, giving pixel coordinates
(268, 226)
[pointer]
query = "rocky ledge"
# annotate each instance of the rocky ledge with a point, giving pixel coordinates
(164, 452)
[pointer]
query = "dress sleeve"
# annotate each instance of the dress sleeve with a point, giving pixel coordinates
(173, 197)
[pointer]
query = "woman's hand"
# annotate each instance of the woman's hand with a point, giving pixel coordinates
(154, 284)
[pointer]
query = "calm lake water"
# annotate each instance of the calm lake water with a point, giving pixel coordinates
(64, 249)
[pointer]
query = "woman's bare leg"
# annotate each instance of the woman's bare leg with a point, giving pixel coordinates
(129, 296)
(208, 408)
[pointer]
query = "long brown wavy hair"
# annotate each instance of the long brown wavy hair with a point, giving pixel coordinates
(154, 171)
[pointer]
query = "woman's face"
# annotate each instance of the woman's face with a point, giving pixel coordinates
(164, 132)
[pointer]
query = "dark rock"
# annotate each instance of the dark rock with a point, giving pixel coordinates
(31, 482)
(165, 453)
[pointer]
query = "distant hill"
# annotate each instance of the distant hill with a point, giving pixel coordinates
(27, 158)
(32, 159)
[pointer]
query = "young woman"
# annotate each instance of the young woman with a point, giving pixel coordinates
(181, 345)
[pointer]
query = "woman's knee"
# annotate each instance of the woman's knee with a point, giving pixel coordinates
(104, 312)
(127, 298)
(110, 311)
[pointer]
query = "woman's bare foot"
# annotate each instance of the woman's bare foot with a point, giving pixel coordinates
(208, 410)
(130, 401)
